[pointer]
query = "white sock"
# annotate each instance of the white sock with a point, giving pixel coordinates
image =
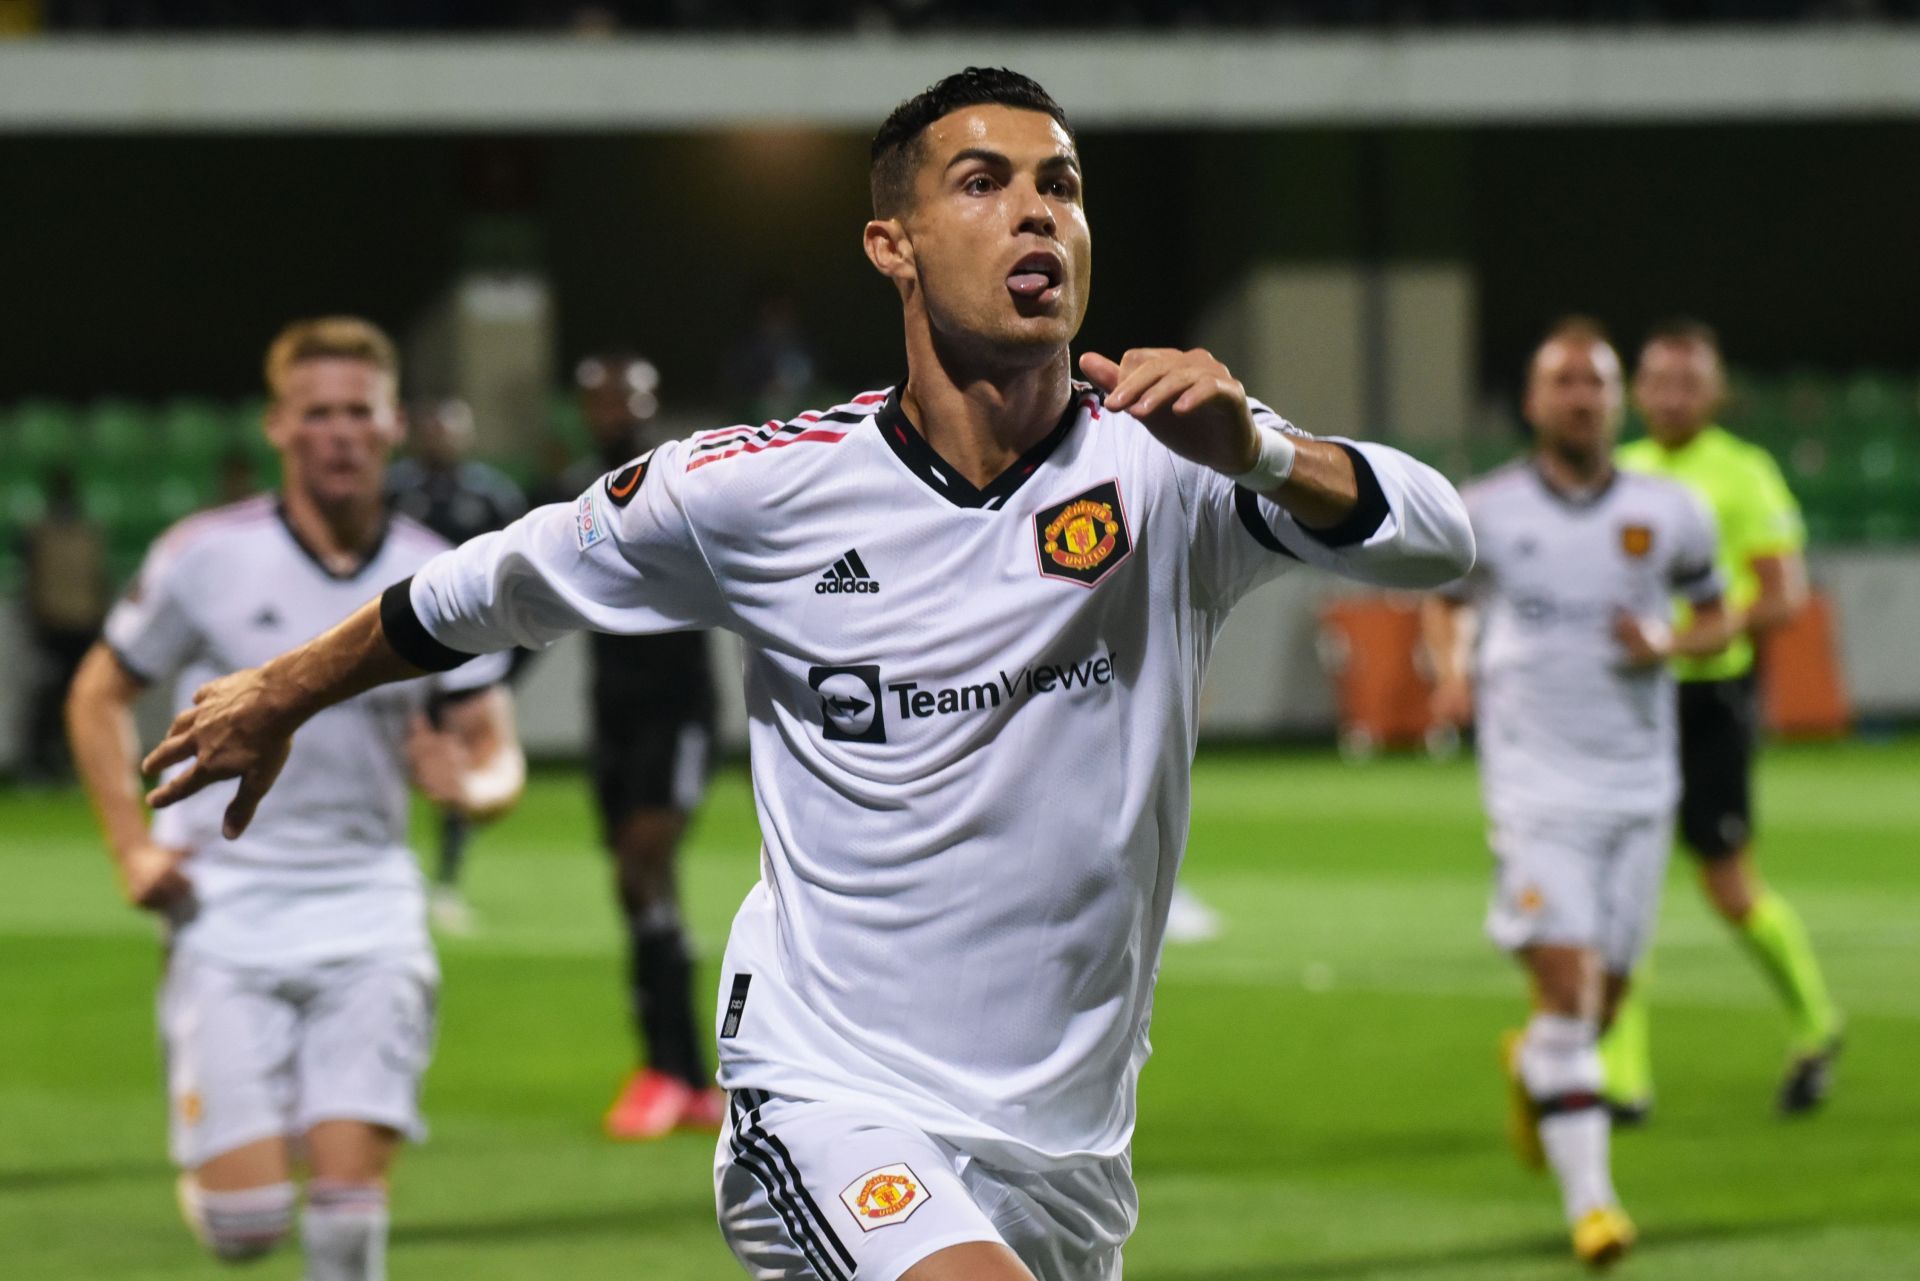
(345, 1231)
(1560, 1066)
(242, 1224)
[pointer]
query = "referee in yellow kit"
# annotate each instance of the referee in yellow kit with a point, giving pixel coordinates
(1678, 387)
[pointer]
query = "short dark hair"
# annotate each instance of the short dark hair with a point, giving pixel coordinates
(1683, 329)
(895, 153)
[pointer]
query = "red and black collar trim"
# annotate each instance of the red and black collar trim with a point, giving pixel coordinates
(924, 462)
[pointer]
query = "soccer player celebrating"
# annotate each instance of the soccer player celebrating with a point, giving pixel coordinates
(297, 1007)
(972, 761)
(1679, 387)
(1574, 706)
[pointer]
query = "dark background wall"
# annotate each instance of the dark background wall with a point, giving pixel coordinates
(155, 266)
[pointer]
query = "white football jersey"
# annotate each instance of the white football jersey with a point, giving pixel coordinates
(972, 720)
(323, 872)
(1562, 721)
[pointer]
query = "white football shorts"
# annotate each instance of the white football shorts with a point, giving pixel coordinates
(254, 1052)
(830, 1192)
(1578, 879)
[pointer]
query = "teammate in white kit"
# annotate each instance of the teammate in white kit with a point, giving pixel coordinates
(971, 760)
(1579, 754)
(297, 1008)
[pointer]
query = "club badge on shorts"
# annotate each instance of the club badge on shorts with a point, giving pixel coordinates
(1085, 537)
(884, 1196)
(1636, 540)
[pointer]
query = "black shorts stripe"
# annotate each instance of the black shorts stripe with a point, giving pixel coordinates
(817, 1260)
(765, 1140)
(765, 1172)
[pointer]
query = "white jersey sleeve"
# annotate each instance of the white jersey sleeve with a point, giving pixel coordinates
(150, 629)
(1693, 571)
(623, 557)
(1408, 528)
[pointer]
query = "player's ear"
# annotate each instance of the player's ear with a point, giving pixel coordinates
(273, 423)
(888, 248)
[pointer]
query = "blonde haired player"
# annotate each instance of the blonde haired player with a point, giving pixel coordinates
(297, 1005)
(1573, 705)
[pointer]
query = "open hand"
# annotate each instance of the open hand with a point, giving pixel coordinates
(235, 729)
(1190, 402)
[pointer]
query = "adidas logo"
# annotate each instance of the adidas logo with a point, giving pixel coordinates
(847, 574)
(267, 617)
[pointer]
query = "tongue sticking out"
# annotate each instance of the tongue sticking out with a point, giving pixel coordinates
(1028, 282)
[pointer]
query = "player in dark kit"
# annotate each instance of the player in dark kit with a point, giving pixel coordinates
(457, 498)
(653, 710)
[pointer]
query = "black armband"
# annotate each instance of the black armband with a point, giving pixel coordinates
(409, 636)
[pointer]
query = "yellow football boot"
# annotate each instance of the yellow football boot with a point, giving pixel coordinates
(1523, 1119)
(1603, 1237)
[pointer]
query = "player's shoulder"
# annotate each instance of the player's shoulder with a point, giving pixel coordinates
(804, 442)
(1744, 453)
(410, 541)
(1663, 494)
(1505, 482)
(215, 530)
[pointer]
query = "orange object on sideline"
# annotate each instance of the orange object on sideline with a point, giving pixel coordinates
(1371, 645)
(1802, 690)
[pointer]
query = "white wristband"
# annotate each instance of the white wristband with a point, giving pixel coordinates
(1272, 465)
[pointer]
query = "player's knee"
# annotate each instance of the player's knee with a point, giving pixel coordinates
(1560, 1057)
(238, 1226)
(345, 1230)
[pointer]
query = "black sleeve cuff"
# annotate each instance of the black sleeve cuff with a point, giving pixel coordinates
(409, 636)
(1369, 512)
(1369, 509)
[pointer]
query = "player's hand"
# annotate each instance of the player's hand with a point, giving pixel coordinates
(1190, 402)
(150, 876)
(438, 764)
(1451, 704)
(236, 728)
(1647, 642)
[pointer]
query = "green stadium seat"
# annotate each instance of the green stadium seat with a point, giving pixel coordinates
(195, 429)
(45, 433)
(1876, 402)
(118, 431)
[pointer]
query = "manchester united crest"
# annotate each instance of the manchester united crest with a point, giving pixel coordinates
(1636, 540)
(887, 1195)
(1083, 538)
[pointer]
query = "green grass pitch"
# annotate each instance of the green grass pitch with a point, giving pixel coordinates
(1322, 1102)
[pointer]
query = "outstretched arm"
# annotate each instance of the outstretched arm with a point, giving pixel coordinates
(241, 725)
(627, 563)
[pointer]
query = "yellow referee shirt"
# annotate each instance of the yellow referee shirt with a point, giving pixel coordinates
(1756, 514)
